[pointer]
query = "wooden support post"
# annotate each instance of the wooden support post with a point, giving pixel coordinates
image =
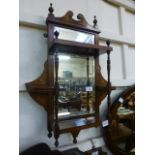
(109, 83)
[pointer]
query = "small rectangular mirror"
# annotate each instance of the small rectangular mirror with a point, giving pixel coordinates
(72, 35)
(76, 79)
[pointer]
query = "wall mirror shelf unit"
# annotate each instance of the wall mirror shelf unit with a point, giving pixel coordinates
(71, 86)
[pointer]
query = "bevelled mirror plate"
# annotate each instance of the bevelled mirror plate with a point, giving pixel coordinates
(76, 77)
(72, 35)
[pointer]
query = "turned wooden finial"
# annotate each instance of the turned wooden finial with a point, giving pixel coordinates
(50, 134)
(95, 22)
(50, 9)
(56, 33)
(108, 43)
(74, 140)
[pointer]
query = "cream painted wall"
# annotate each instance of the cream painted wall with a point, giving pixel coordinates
(116, 23)
(32, 55)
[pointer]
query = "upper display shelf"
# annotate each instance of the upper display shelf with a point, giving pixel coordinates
(65, 46)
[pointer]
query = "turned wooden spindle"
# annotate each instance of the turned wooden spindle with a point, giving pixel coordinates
(109, 83)
(56, 98)
(56, 134)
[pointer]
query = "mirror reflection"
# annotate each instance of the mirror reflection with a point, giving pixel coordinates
(72, 35)
(76, 79)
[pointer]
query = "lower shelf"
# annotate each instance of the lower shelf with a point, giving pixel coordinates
(75, 124)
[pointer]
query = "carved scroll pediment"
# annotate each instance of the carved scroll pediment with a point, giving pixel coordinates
(68, 17)
(69, 21)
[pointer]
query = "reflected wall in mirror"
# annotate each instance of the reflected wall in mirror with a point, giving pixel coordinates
(76, 79)
(72, 35)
